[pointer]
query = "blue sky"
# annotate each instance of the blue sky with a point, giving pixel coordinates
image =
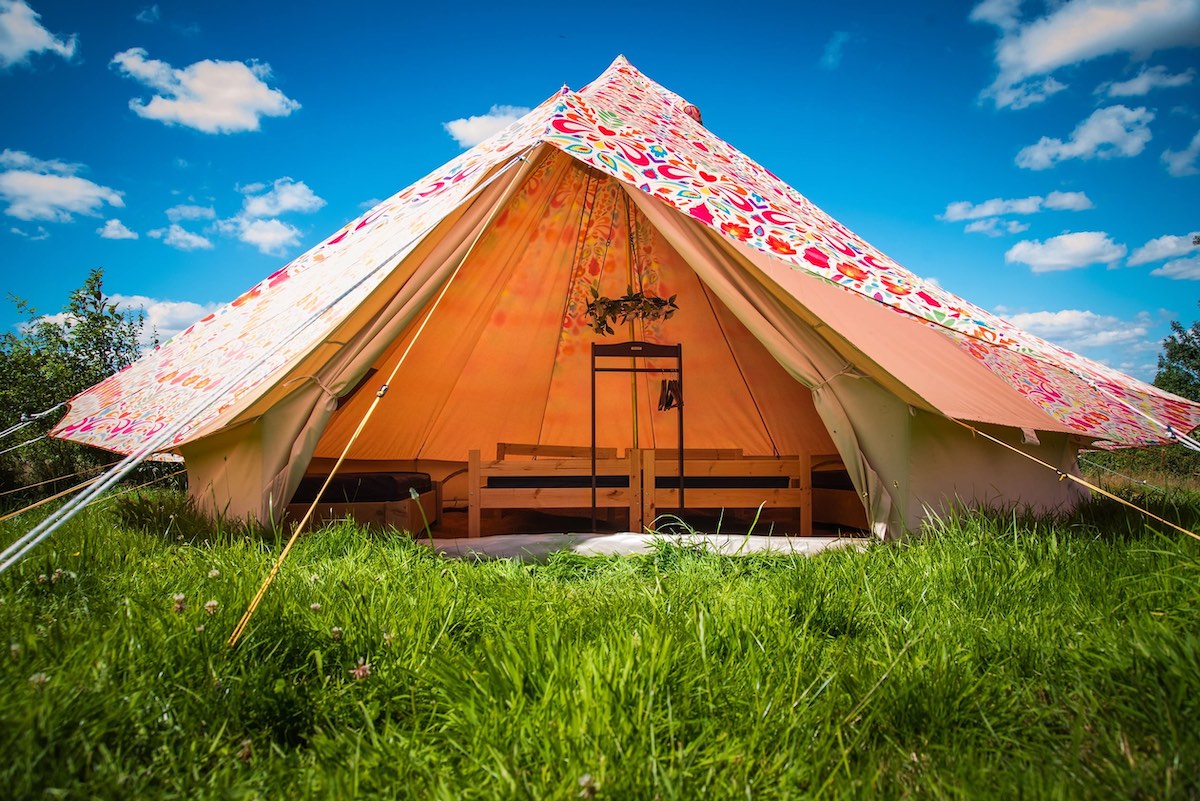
(1040, 159)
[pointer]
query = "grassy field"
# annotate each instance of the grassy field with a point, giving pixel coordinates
(996, 658)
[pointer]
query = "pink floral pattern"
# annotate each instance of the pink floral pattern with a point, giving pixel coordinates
(635, 130)
(234, 355)
(640, 133)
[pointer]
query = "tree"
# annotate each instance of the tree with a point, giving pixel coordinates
(1179, 363)
(51, 359)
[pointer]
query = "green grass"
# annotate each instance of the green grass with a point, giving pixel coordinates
(997, 657)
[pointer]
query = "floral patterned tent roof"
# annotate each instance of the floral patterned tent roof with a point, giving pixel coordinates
(633, 129)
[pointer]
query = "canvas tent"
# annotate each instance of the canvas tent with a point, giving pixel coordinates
(797, 334)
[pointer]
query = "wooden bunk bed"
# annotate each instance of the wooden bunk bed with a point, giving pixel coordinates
(645, 482)
(552, 477)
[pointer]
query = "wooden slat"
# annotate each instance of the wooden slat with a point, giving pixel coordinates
(553, 468)
(730, 468)
(732, 498)
(646, 487)
(634, 458)
(663, 454)
(474, 479)
(804, 483)
(553, 498)
(505, 450)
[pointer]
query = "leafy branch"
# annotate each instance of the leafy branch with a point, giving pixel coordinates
(605, 311)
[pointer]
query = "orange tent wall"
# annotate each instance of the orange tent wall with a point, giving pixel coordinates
(506, 355)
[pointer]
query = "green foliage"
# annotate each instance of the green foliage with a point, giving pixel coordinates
(996, 657)
(173, 514)
(51, 359)
(604, 311)
(1160, 465)
(1179, 363)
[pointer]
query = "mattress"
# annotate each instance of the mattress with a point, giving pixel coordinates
(363, 487)
(555, 482)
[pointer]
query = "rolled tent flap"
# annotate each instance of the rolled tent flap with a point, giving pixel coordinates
(309, 394)
(904, 463)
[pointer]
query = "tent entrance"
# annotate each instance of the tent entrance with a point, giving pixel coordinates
(506, 357)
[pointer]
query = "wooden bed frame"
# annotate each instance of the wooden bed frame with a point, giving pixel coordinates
(640, 482)
(539, 468)
(731, 482)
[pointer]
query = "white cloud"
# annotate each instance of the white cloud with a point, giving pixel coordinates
(115, 229)
(190, 212)
(1004, 14)
(256, 225)
(965, 210)
(22, 35)
(37, 236)
(1066, 252)
(1149, 79)
(1164, 247)
(1181, 269)
(994, 226)
(49, 190)
(149, 14)
(210, 96)
(284, 196)
(1026, 94)
(1059, 201)
(1075, 31)
(166, 318)
(831, 58)
(470, 131)
(1108, 132)
(19, 160)
(1077, 329)
(180, 238)
(1069, 201)
(271, 237)
(1183, 162)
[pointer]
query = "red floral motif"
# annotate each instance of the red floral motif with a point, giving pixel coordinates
(929, 300)
(897, 288)
(701, 213)
(817, 258)
(247, 296)
(780, 246)
(853, 272)
(737, 231)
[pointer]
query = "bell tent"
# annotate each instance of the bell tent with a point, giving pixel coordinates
(473, 285)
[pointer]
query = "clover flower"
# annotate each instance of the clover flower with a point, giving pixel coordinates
(211, 607)
(39, 680)
(362, 670)
(180, 603)
(335, 633)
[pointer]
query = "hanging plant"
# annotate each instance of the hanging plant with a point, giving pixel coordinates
(603, 311)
